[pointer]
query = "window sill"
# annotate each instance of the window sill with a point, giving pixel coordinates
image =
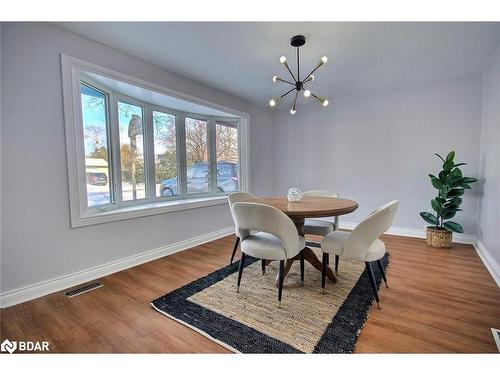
(148, 209)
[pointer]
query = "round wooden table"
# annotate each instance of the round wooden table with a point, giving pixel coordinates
(309, 207)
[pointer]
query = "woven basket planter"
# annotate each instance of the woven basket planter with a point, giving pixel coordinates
(438, 237)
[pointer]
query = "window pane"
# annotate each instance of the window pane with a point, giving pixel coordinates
(197, 156)
(165, 154)
(226, 148)
(95, 134)
(131, 151)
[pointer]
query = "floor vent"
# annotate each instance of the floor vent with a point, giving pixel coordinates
(82, 289)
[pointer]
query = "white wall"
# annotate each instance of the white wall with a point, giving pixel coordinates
(37, 242)
(379, 147)
(489, 202)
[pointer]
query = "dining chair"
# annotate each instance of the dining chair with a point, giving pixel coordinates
(268, 234)
(316, 226)
(233, 198)
(362, 244)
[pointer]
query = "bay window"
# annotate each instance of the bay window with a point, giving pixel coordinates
(134, 151)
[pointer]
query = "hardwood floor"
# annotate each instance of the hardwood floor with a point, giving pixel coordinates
(438, 301)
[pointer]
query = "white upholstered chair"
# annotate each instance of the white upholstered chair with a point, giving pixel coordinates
(268, 234)
(233, 198)
(362, 244)
(320, 227)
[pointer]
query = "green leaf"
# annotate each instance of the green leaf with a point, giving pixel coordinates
(456, 201)
(469, 180)
(465, 186)
(442, 176)
(454, 227)
(436, 206)
(440, 157)
(455, 193)
(449, 213)
(436, 183)
(428, 217)
(459, 164)
(456, 172)
(448, 165)
(441, 200)
(454, 181)
(450, 156)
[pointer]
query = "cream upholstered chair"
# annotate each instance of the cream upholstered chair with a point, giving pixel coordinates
(233, 198)
(316, 226)
(362, 243)
(268, 234)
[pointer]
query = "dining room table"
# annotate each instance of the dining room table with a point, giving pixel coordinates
(306, 208)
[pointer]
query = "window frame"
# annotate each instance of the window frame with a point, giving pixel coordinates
(73, 73)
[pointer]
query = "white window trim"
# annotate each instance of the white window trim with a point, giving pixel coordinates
(79, 214)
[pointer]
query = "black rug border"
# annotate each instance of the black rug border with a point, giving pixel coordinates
(340, 335)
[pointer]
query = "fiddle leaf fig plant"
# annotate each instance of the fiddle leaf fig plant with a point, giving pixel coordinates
(451, 185)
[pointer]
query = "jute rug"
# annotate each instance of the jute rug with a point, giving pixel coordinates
(251, 322)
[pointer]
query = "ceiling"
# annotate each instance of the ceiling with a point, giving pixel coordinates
(153, 97)
(241, 58)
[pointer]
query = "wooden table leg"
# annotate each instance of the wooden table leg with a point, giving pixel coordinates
(309, 256)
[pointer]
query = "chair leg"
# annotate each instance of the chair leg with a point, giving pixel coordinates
(323, 272)
(240, 271)
(372, 282)
(327, 259)
(281, 276)
(381, 268)
(337, 258)
(302, 264)
(263, 265)
(234, 249)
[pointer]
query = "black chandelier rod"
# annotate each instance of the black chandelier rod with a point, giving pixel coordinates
(312, 72)
(284, 80)
(286, 65)
(298, 65)
(286, 93)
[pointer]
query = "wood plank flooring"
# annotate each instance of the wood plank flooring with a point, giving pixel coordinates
(438, 301)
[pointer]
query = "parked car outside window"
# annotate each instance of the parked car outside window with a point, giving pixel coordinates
(197, 179)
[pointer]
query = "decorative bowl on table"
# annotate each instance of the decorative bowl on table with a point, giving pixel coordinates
(294, 195)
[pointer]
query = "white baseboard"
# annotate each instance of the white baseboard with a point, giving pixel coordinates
(488, 261)
(417, 233)
(16, 296)
(491, 265)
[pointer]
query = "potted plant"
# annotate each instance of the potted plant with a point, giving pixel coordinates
(451, 185)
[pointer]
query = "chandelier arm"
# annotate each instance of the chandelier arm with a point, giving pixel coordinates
(286, 93)
(320, 100)
(295, 100)
(311, 73)
(288, 68)
(284, 80)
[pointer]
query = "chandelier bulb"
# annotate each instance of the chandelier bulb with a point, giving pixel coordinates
(282, 59)
(324, 59)
(307, 93)
(292, 111)
(275, 79)
(325, 103)
(272, 103)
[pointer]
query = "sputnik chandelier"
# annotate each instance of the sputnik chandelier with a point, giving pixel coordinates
(298, 85)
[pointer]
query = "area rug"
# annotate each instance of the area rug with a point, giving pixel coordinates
(251, 322)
